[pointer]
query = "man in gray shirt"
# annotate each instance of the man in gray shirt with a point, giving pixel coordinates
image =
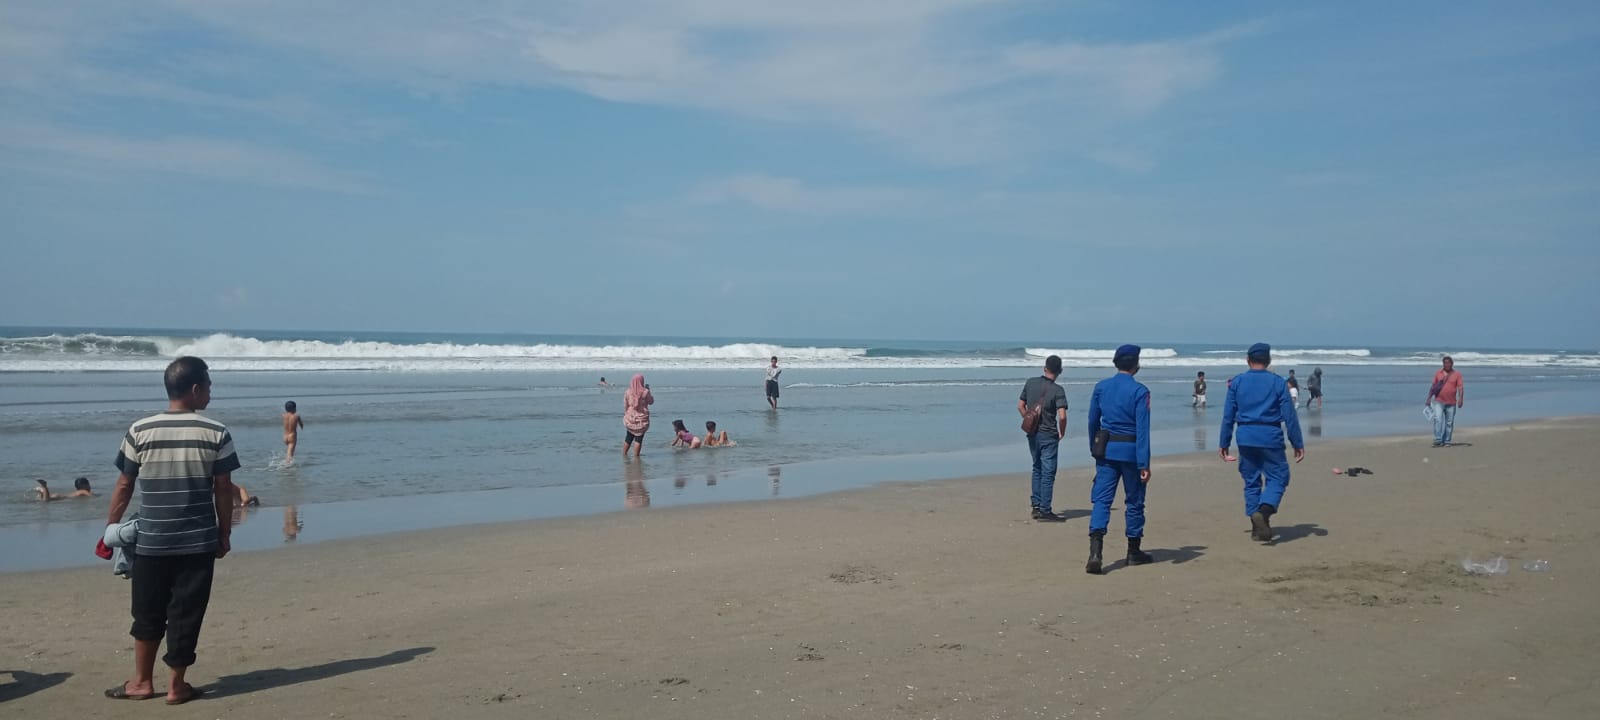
(1050, 400)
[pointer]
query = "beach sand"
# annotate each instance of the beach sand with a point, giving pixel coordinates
(931, 600)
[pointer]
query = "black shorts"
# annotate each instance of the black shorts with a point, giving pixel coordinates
(772, 388)
(170, 595)
(1316, 393)
(632, 438)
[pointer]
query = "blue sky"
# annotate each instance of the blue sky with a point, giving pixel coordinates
(1345, 173)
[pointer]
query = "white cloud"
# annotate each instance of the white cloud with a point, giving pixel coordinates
(929, 78)
(184, 155)
(769, 192)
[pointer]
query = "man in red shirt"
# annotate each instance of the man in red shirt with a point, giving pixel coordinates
(1447, 394)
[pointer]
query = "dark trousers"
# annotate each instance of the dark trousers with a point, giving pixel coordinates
(170, 595)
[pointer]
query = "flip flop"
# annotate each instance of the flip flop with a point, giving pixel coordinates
(194, 692)
(120, 692)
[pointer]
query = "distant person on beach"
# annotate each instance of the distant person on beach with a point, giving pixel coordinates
(291, 429)
(187, 460)
(682, 437)
(1294, 389)
(715, 439)
(1119, 441)
(1447, 395)
(1314, 388)
(772, 382)
(1198, 400)
(636, 404)
(1258, 405)
(1042, 398)
(603, 384)
(80, 489)
(245, 498)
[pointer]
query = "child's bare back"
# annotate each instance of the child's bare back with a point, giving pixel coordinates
(291, 428)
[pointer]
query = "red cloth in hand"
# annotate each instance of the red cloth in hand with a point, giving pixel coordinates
(101, 550)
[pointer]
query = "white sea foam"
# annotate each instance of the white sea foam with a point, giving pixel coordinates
(96, 352)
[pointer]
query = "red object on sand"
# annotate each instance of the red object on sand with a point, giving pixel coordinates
(101, 550)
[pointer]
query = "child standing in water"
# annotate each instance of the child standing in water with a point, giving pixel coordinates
(291, 429)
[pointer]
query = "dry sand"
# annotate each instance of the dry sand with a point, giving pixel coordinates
(936, 600)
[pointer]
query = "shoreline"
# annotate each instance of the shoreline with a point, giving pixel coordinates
(66, 544)
(911, 600)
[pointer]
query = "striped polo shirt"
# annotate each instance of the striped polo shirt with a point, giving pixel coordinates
(173, 456)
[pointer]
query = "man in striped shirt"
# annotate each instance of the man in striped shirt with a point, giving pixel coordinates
(183, 464)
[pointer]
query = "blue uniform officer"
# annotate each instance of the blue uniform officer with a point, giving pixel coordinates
(1259, 406)
(1119, 410)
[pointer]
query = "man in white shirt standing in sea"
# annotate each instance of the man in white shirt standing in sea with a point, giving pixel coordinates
(772, 382)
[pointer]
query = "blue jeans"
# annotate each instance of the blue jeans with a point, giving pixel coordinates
(1044, 446)
(1444, 422)
(1106, 475)
(1263, 463)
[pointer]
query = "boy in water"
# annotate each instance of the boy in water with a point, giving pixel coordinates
(714, 438)
(291, 428)
(1198, 400)
(80, 489)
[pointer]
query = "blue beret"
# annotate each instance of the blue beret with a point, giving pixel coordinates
(1126, 351)
(1259, 349)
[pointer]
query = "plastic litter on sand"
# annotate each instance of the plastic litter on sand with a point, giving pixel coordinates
(1494, 566)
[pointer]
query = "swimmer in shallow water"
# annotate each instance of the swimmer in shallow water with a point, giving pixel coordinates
(716, 439)
(80, 489)
(682, 438)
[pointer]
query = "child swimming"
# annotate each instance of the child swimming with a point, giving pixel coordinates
(682, 437)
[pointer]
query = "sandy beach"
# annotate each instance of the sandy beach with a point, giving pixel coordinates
(928, 600)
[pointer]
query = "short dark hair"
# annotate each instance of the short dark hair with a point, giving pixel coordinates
(1125, 362)
(774, 358)
(1202, 373)
(1053, 364)
(80, 484)
(678, 425)
(185, 373)
(1260, 359)
(711, 425)
(289, 406)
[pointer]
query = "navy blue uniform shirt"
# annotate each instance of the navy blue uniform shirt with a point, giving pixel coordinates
(1259, 402)
(1121, 405)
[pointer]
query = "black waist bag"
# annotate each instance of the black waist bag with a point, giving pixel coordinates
(1097, 448)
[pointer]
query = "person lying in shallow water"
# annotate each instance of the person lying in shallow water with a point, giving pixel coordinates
(80, 490)
(716, 439)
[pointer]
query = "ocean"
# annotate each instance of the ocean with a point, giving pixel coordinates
(408, 430)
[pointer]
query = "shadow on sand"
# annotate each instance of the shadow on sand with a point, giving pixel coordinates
(24, 683)
(250, 682)
(1290, 533)
(1176, 556)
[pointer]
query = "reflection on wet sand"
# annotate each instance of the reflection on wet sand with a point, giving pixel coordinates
(711, 479)
(292, 524)
(775, 475)
(635, 495)
(1314, 422)
(1200, 438)
(680, 482)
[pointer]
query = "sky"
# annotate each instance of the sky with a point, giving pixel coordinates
(1419, 173)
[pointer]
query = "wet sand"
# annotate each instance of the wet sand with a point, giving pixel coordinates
(908, 601)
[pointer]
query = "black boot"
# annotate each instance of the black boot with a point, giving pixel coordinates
(1096, 545)
(1137, 556)
(1261, 523)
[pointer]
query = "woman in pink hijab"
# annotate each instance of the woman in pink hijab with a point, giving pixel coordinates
(636, 404)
